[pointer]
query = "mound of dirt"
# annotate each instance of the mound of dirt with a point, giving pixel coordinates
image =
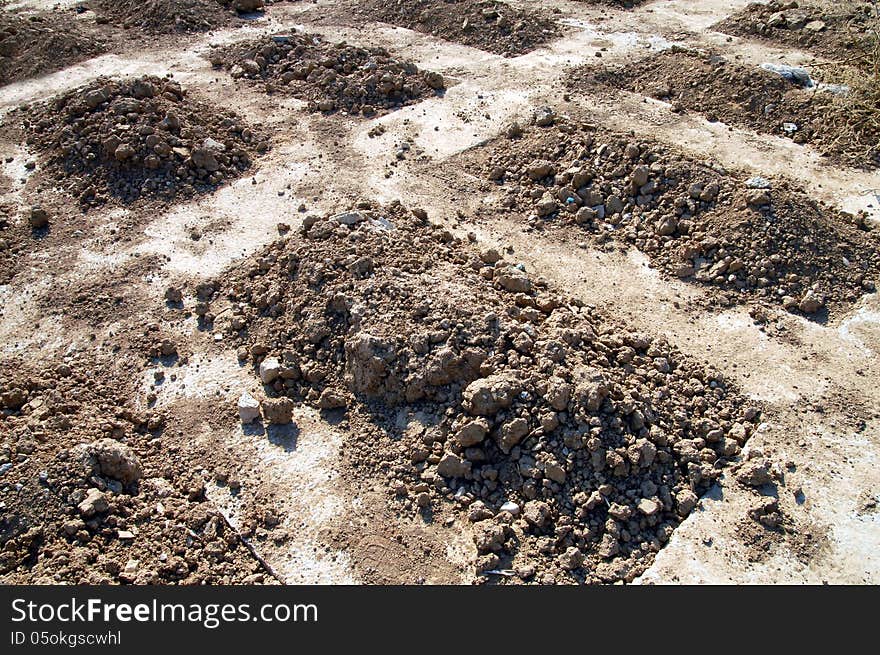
(97, 499)
(574, 447)
(140, 138)
(37, 45)
(329, 76)
(624, 4)
(748, 97)
(484, 24)
(836, 30)
(168, 16)
(751, 239)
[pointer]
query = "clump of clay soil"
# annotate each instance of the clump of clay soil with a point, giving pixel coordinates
(329, 76)
(751, 97)
(140, 138)
(748, 238)
(475, 393)
(836, 30)
(487, 25)
(96, 491)
(37, 45)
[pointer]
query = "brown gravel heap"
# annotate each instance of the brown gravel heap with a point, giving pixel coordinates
(749, 238)
(748, 97)
(484, 24)
(473, 390)
(329, 76)
(138, 138)
(38, 45)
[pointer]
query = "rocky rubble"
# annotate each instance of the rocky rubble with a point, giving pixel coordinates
(329, 76)
(748, 238)
(137, 138)
(493, 26)
(573, 446)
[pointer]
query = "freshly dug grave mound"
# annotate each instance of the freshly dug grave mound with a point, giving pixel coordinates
(169, 16)
(94, 491)
(751, 97)
(624, 4)
(473, 390)
(835, 30)
(330, 76)
(140, 138)
(749, 238)
(37, 45)
(484, 24)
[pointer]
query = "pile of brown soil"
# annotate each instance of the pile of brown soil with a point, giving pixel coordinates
(748, 97)
(484, 24)
(750, 239)
(329, 76)
(41, 43)
(164, 16)
(140, 138)
(472, 389)
(834, 30)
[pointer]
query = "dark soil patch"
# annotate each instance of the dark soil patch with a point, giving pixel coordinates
(164, 16)
(329, 76)
(491, 26)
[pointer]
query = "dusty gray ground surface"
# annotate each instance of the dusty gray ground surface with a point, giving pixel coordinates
(92, 348)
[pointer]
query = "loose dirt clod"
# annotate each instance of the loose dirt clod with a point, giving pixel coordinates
(750, 97)
(40, 44)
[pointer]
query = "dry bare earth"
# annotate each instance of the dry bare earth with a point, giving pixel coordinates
(400, 337)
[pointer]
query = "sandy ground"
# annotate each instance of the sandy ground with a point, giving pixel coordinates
(820, 383)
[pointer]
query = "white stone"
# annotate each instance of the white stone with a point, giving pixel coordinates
(270, 368)
(248, 408)
(511, 507)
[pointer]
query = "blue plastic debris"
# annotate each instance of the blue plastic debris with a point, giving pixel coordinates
(794, 74)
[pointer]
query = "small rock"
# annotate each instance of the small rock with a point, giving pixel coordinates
(248, 408)
(270, 369)
(278, 411)
(39, 217)
(95, 502)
